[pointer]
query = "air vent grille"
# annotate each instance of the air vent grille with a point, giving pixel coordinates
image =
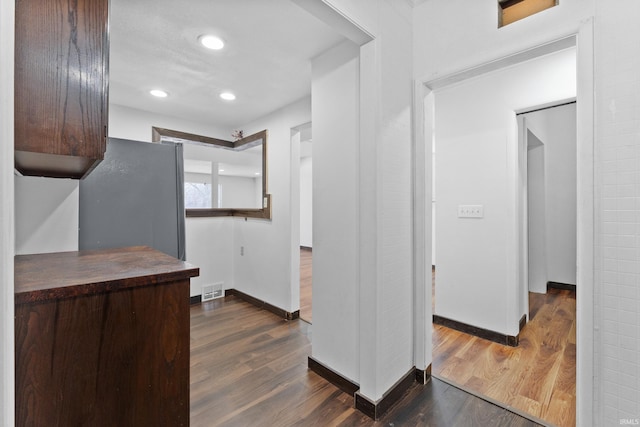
(210, 292)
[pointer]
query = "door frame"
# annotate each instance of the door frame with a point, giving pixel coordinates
(423, 126)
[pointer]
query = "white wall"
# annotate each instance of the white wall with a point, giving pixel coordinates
(131, 123)
(265, 269)
(617, 214)
(7, 389)
(433, 207)
(556, 129)
(477, 156)
(454, 35)
(209, 245)
(537, 214)
(383, 294)
(239, 191)
(48, 215)
(306, 202)
(393, 349)
(335, 80)
(204, 178)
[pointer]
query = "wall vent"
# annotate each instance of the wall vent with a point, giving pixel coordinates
(210, 292)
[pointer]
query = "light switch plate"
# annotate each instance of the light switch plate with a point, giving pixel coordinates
(470, 211)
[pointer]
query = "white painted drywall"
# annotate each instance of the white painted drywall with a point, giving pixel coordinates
(48, 215)
(477, 161)
(617, 181)
(537, 212)
(335, 110)
(383, 295)
(257, 192)
(556, 129)
(204, 178)
(306, 202)
(7, 363)
(131, 123)
(294, 200)
(265, 269)
(450, 36)
(209, 245)
(433, 207)
(391, 352)
(238, 191)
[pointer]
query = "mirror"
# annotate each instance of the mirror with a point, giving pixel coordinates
(223, 178)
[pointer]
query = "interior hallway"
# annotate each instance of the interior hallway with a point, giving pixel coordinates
(249, 367)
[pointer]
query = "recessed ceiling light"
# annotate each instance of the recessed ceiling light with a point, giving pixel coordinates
(221, 170)
(257, 173)
(158, 93)
(211, 42)
(227, 96)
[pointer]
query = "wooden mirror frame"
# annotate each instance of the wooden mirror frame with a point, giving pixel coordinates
(160, 135)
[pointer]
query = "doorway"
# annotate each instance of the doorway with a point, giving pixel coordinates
(301, 141)
(548, 140)
(479, 217)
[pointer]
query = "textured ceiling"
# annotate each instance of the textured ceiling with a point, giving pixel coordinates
(265, 61)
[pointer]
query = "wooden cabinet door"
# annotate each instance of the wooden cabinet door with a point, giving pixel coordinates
(61, 86)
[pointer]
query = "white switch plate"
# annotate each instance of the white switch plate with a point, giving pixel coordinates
(470, 211)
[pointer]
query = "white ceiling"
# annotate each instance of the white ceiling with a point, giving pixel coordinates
(265, 61)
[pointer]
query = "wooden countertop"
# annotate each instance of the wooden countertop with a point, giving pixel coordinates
(44, 277)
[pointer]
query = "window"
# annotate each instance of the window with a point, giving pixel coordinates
(197, 195)
(510, 11)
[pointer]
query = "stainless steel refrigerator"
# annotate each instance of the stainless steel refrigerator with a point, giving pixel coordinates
(135, 196)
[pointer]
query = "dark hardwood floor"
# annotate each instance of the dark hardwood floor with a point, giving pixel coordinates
(249, 368)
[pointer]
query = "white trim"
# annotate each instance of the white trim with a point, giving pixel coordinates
(369, 226)
(7, 239)
(546, 105)
(585, 227)
(500, 63)
(422, 145)
(421, 212)
(294, 203)
(337, 20)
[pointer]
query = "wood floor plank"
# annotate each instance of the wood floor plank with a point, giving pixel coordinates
(561, 409)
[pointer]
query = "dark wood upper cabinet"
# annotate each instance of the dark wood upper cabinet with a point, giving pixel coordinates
(61, 86)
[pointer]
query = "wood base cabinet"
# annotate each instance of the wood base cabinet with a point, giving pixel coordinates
(106, 353)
